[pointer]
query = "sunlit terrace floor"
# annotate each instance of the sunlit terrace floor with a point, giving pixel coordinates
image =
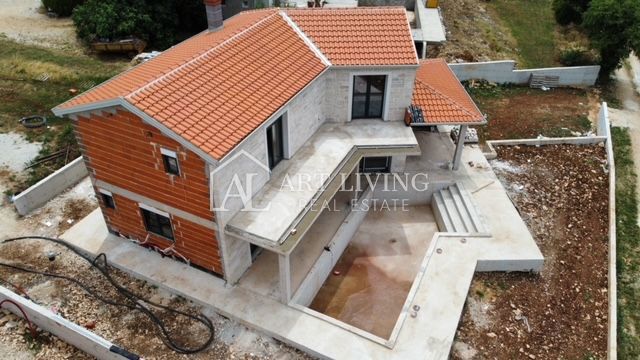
(374, 275)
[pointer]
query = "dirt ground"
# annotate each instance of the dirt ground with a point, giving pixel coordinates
(25, 21)
(473, 34)
(132, 331)
(524, 113)
(562, 194)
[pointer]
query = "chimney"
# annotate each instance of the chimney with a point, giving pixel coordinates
(214, 14)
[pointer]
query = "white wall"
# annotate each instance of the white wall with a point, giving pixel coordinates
(326, 99)
(49, 187)
(339, 83)
(504, 72)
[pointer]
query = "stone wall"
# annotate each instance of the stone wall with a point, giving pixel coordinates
(339, 82)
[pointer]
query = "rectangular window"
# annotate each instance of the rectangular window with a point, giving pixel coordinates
(107, 199)
(159, 224)
(375, 164)
(170, 160)
(368, 96)
(275, 143)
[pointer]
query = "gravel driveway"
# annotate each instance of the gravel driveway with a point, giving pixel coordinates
(22, 21)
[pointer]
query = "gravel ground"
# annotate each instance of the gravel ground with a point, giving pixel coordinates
(130, 330)
(24, 21)
(562, 194)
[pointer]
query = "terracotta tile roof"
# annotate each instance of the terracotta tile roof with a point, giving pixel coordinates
(170, 59)
(217, 100)
(443, 100)
(217, 87)
(361, 36)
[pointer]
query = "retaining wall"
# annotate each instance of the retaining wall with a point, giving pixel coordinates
(71, 333)
(504, 72)
(49, 187)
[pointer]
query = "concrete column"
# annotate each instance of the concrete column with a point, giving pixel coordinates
(459, 146)
(285, 278)
(424, 50)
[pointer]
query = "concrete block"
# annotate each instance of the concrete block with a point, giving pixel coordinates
(49, 187)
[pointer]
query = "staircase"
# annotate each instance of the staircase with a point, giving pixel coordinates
(455, 211)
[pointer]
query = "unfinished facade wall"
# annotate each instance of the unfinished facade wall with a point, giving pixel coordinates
(302, 118)
(123, 156)
(339, 89)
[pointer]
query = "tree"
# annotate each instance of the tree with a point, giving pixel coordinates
(159, 22)
(570, 11)
(614, 29)
(61, 7)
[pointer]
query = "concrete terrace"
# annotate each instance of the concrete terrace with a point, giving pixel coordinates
(325, 154)
(440, 289)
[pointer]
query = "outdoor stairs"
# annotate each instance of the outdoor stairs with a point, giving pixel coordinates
(455, 211)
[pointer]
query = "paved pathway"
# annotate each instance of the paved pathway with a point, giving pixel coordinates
(629, 115)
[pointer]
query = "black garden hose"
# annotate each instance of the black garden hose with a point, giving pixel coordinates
(134, 302)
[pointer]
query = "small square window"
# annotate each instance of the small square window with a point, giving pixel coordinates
(170, 160)
(157, 224)
(108, 201)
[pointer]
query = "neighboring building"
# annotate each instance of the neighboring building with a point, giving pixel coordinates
(269, 92)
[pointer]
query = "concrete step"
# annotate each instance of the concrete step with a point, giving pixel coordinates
(439, 212)
(452, 211)
(455, 211)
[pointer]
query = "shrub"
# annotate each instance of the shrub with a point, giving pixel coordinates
(577, 57)
(159, 22)
(61, 7)
(569, 11)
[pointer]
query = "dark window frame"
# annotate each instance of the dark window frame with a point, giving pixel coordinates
(157, 224)
(171, 164)
(367, 96)
(108, 200)
(363, 168)
(275, 142)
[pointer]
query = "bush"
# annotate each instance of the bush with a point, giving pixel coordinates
(61, 7)
(577, 57)
(159, 22)
(569, 11)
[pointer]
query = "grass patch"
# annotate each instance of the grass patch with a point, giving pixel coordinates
(533, 25)
(33, 80)
(628, 247)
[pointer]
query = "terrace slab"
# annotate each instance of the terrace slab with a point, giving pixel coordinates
(295, 182)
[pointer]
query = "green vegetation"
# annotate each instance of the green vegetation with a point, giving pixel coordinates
(32, 81)
(161, 23)
(569, 11)
(577, 57)
(533, 26)
(61, 7)
(628, 247)
(613, 27)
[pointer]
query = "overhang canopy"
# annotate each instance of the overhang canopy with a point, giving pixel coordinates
(441, 97)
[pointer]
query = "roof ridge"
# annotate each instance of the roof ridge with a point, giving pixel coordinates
(448, 98)
(201, 56)
(307, 40)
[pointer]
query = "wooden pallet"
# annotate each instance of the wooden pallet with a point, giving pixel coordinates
(539, 81)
